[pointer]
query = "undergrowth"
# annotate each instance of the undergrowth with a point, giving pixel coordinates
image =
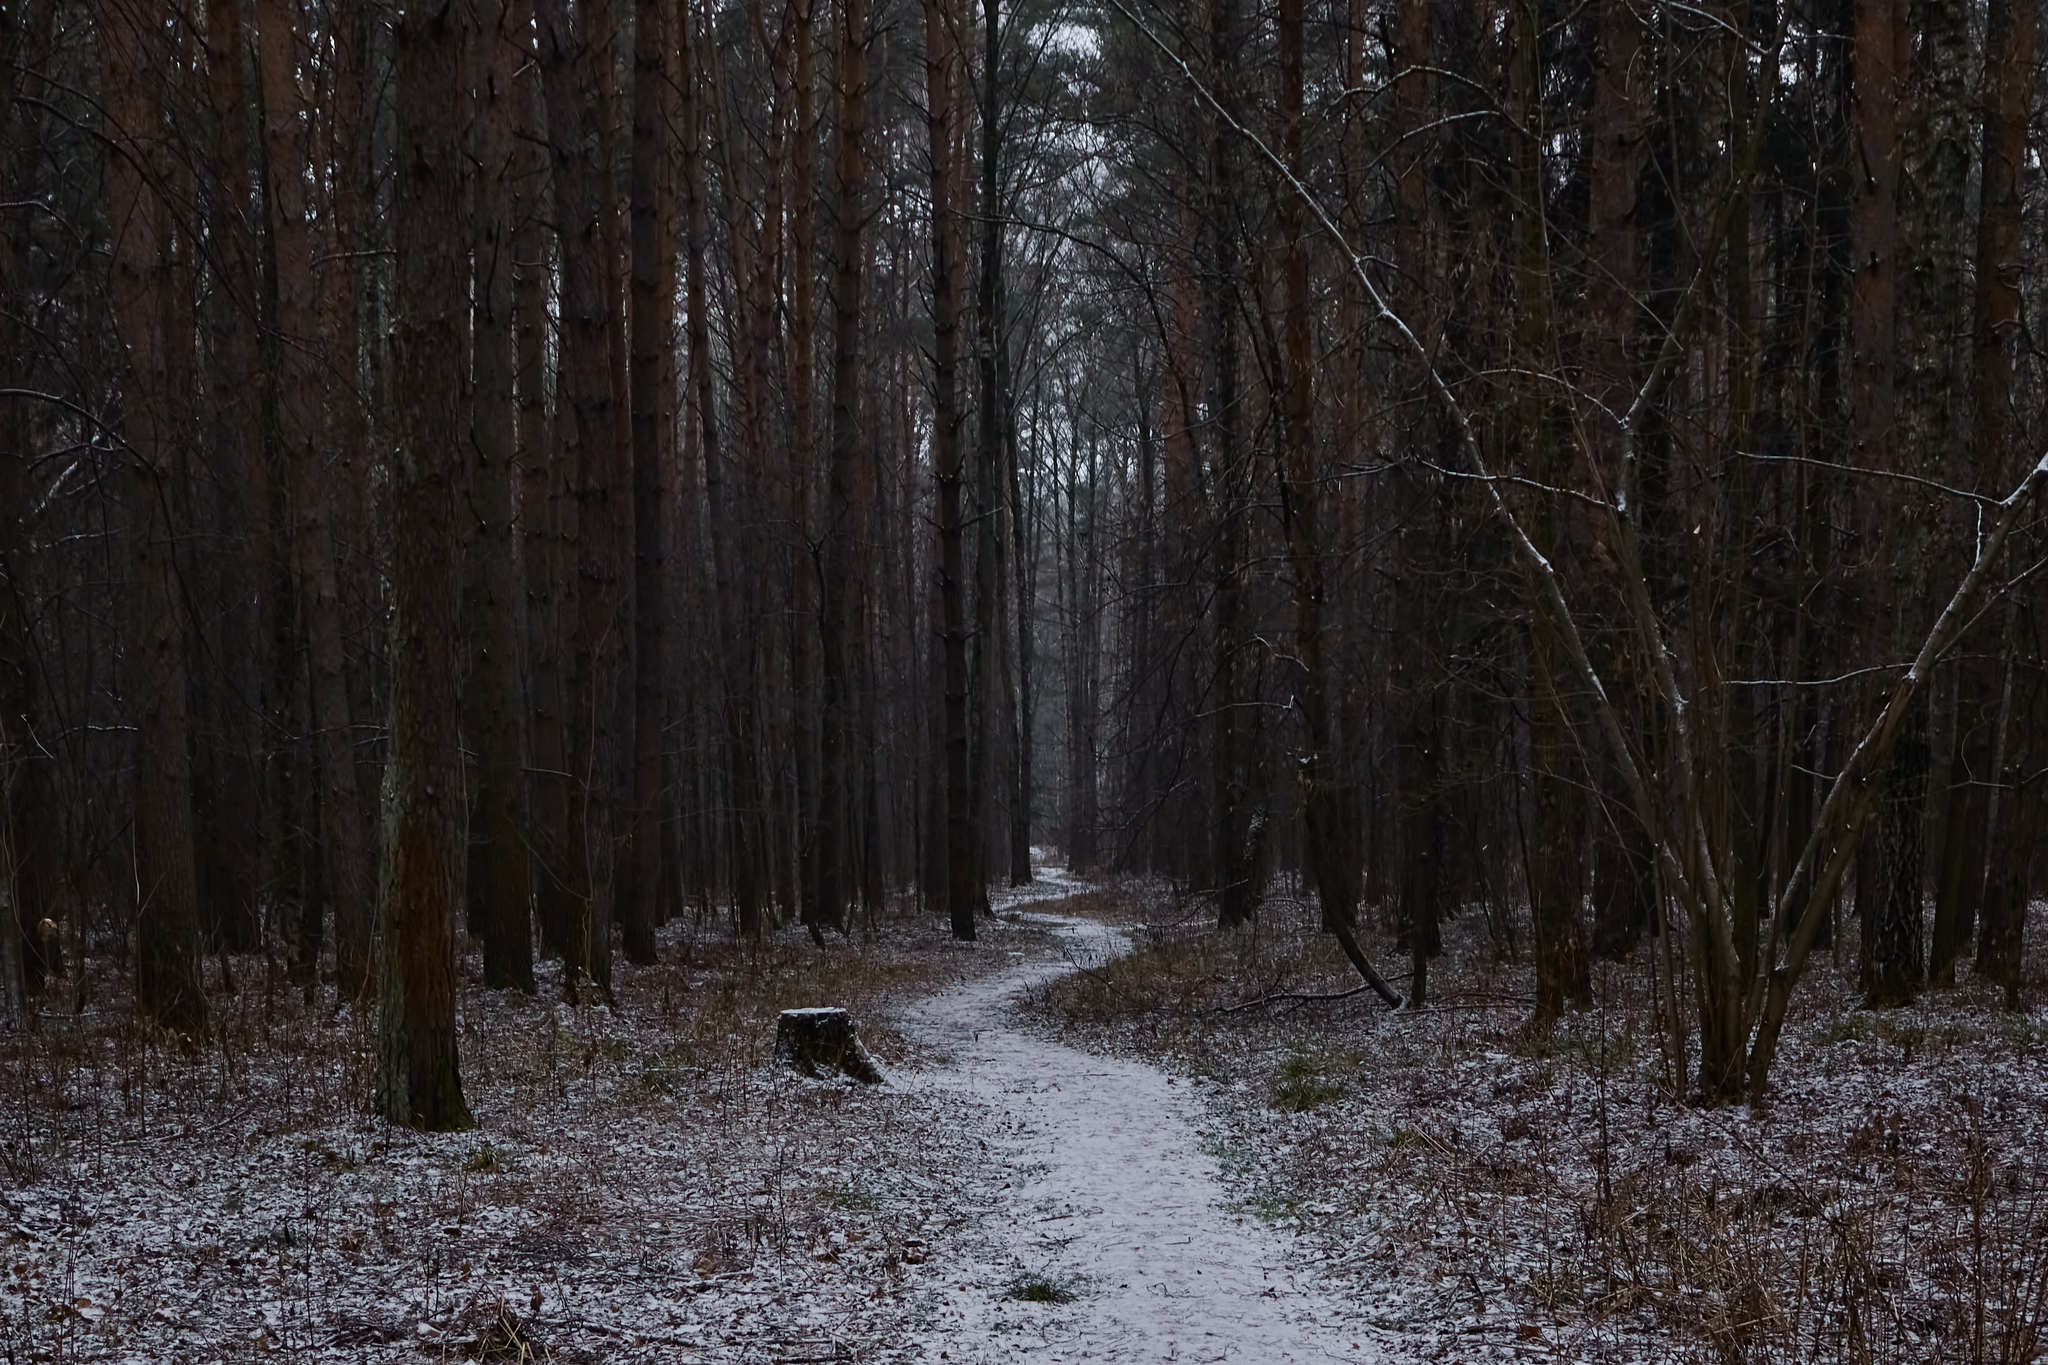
(1548, 1188)
(236, 1201)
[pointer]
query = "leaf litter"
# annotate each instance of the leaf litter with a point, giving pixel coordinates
(1290, 1184)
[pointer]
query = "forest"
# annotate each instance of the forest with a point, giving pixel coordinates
(540, 528)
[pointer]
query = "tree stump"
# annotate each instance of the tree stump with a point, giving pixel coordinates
(823, 1039)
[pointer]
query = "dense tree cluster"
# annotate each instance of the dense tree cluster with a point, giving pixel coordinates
(769, 456)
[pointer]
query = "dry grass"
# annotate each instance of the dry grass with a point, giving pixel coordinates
(1522, 1193)
(643, 1181)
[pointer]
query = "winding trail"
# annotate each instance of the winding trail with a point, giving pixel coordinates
(1109, 1193)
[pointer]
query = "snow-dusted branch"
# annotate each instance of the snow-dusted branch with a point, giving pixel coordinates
(1838, 679)
(1854, 794)
(1745, 1014)
(1897, 476)
(1556, 490)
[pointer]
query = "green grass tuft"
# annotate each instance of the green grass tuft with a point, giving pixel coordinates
(1037, 1287)
(1304, 1082)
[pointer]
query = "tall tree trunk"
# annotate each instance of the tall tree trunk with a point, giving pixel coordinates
(2012, 37)
(840, 601)
(228, 740)
(738, 658)
(993, 415)
(418, 1081)
(2016, 841)
(499, 878)
(1182, 847)
(1023, 572)
(28, 832)
(1557, 855)
(586, 429)
(344, 844)
(168, 988)
(1623, 856)
(1884, 900)
(1142, 775)
(1329, 824)
(1935, 314)
(1080, 831)
(1231, 829)
(804, 566)
(653, 322)
(544, 516)
(942, 72)
(1331, 818)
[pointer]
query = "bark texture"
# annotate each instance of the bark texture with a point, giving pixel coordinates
(419, 1083)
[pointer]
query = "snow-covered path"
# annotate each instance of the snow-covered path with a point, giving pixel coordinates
(1110, 1195)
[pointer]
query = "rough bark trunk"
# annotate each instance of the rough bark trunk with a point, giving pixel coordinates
(418, 1080)
(802, 454)
(168, 988)
(1555, 876)
(1896, 950)
(941, 104)
(1623, 884)
(343, 842)
(543, 514)
(1877, 62)
(1024, 560)
(228, 740)
(27, 804)
(1330, 819)
(586, 425)
(499, 882)
(840, 599)
(993, 413)
(2012, 36)
(1231, 824)
(739, 661)
(653, 322)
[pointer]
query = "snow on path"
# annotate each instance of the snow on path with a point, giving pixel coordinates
(1109, 1194)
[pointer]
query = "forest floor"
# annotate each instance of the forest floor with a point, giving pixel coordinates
(1119, 1171)
(1474, 1191)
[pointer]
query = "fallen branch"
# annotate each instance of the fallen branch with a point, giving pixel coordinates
(1460, 1006)
(1293, 996)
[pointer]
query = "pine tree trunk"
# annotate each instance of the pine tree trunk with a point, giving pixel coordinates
(840, 598)
(1897, 956)
(802, 453)
(1023, 566)
(27, 801)
(586, 426)
(168, 987)
(2012, 37)
(1556, 889)
(499, 882)
(942, 72)
(1230, 740)
(419, 1083)
(343, 843)
(1329, 815)
(1934, 158)
(1622, 886)
(1878, 76)
(229, 747)
(543, 514)
(739, 663)
(653, 323)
